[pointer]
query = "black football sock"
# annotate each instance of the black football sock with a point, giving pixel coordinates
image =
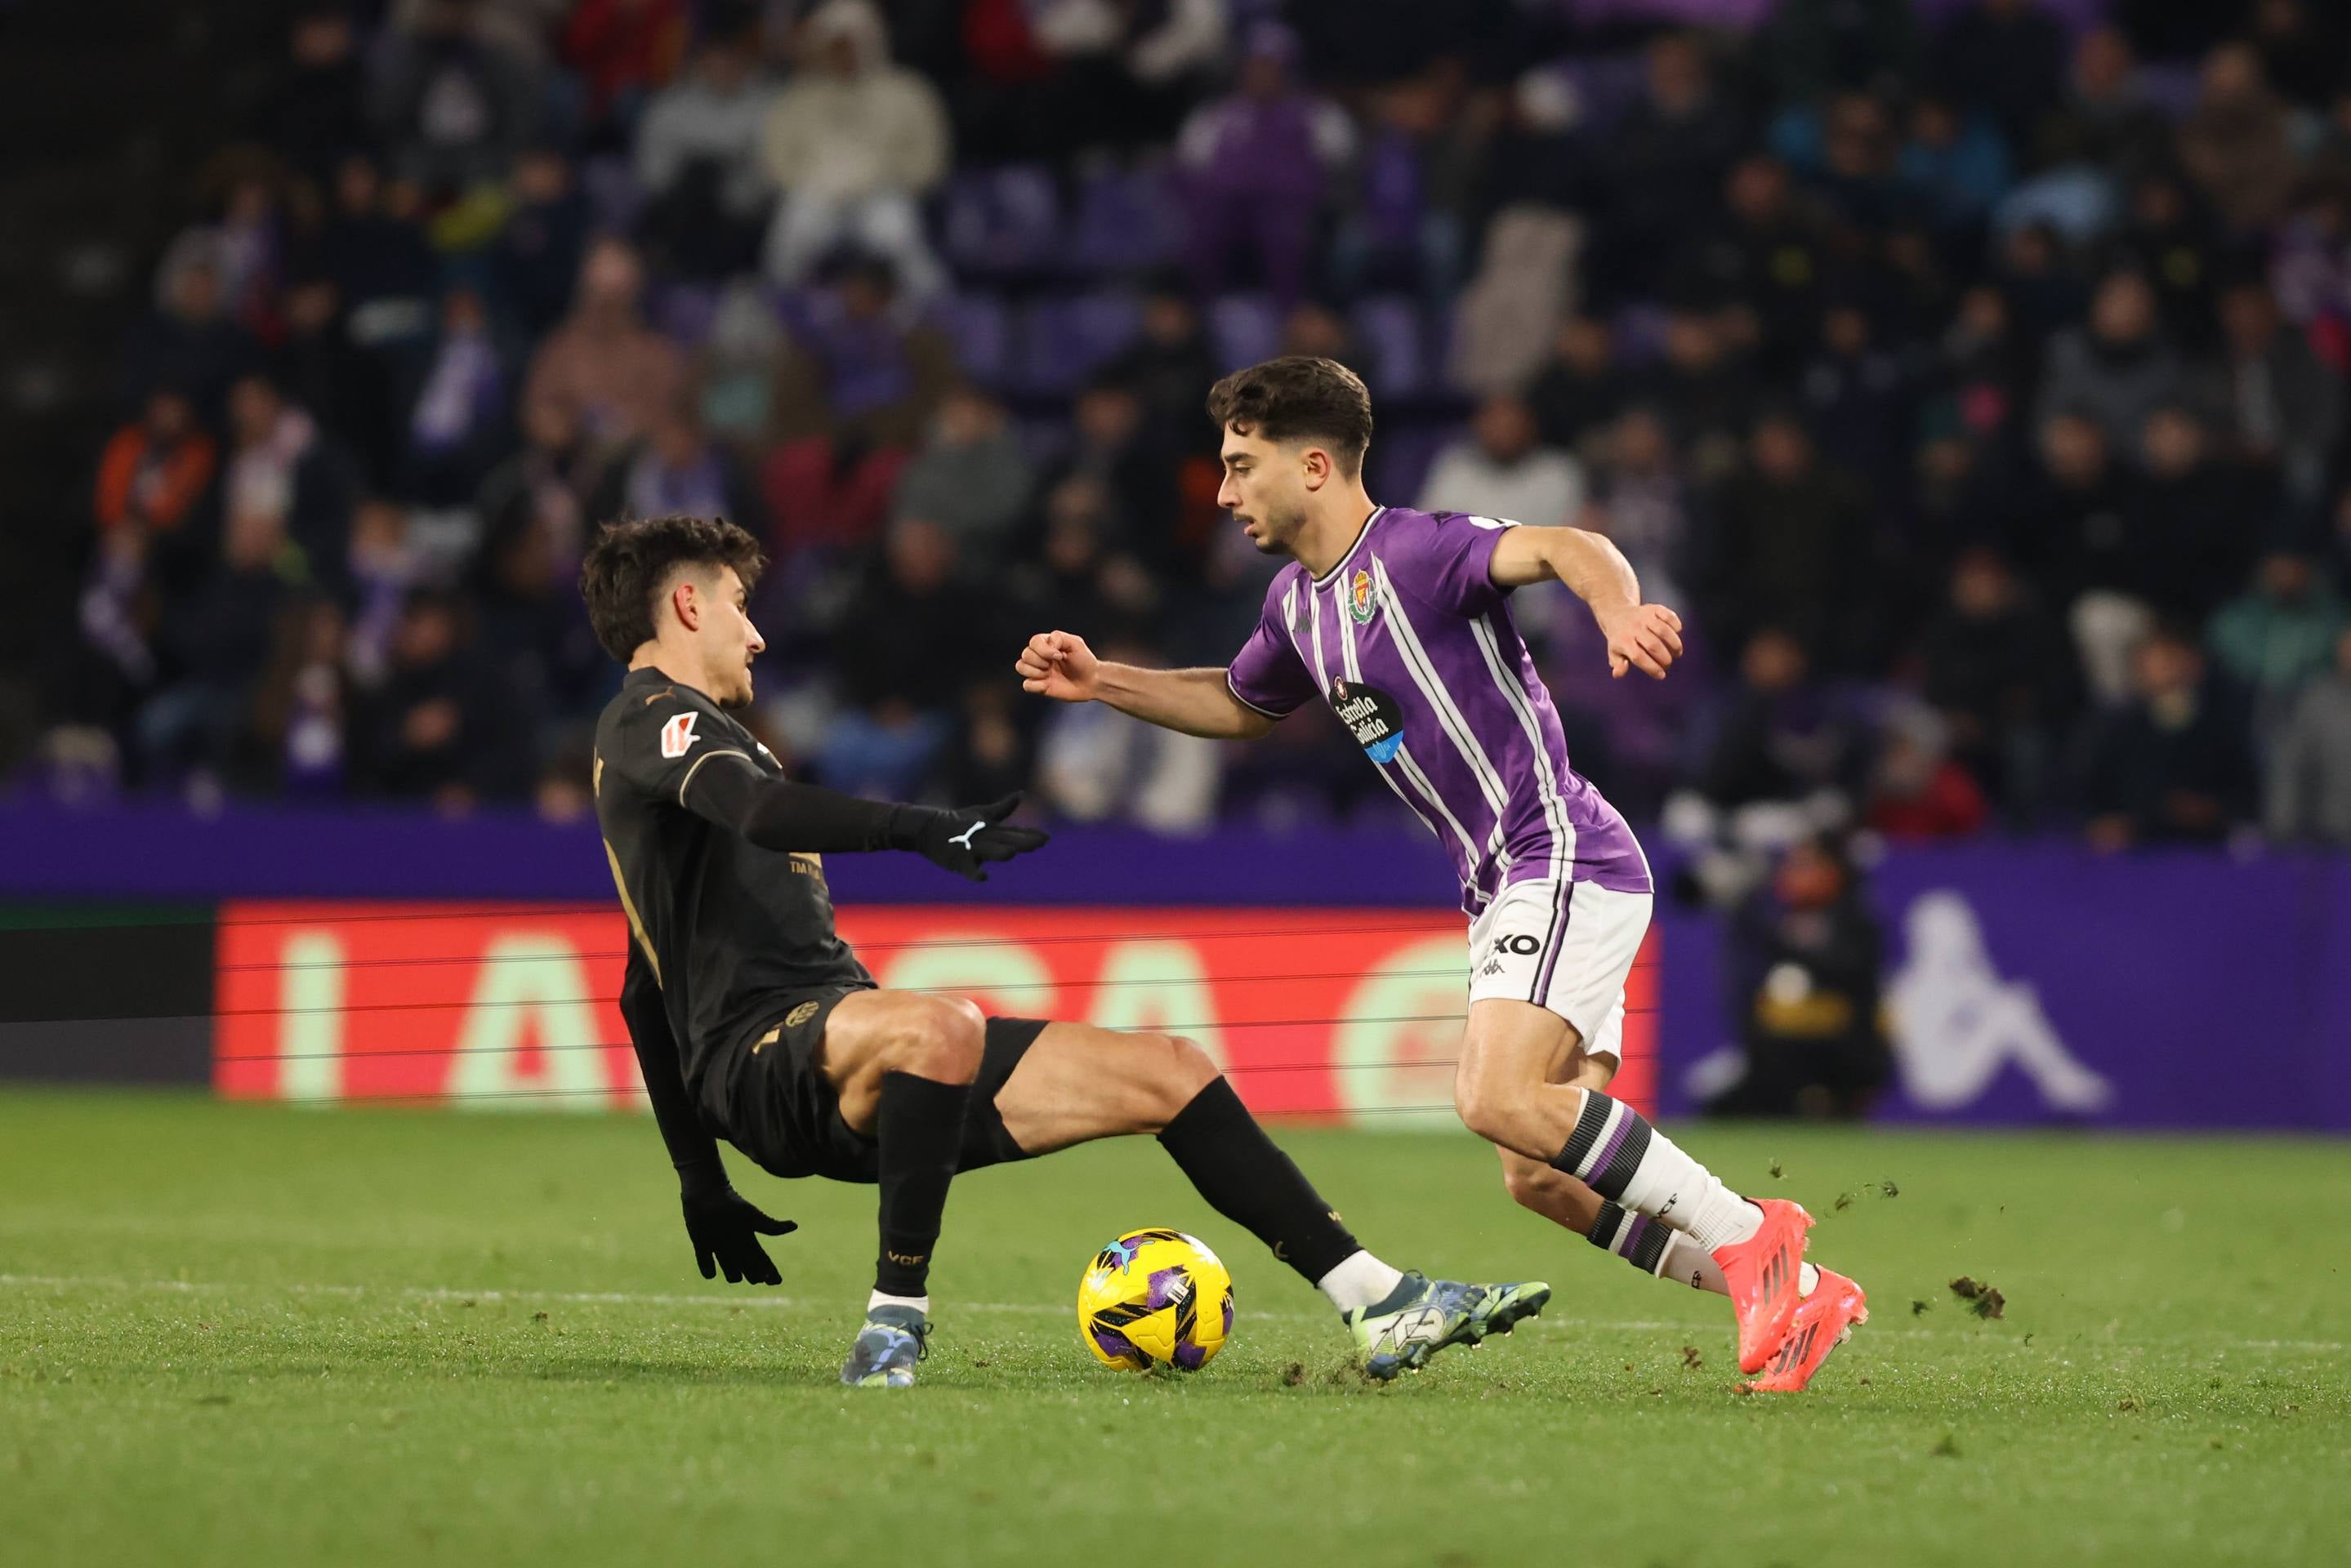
(1246, 1179)
(920, 1129)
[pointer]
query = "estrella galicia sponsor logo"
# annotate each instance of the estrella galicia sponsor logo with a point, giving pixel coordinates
(1371, 716)
(1360, 603)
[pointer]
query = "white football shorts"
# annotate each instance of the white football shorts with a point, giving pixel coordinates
(1566, 946)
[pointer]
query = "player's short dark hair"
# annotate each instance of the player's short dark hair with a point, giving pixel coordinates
(632, 564)
(1297, 396)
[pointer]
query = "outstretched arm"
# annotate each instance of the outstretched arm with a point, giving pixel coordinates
(724, 1226)
(1641, 637)
(1059, 665)
(779, 814)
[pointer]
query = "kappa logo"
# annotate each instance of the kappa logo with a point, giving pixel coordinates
(678, 734)
(800, 1015)
(1360, 603)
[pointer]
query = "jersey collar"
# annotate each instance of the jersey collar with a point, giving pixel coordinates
(1327, 578)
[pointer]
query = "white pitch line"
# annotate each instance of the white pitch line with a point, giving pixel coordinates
(762, 1300)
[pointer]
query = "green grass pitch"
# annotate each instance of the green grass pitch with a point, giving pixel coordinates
(247, 1334)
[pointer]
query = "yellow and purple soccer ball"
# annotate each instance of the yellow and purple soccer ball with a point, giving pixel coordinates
(1155, 1298)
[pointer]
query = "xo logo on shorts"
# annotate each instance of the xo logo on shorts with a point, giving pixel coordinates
(1523, 945)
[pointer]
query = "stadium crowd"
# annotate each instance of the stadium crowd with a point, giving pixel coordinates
(1970, 378)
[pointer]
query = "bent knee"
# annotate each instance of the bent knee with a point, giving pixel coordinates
(943, 1040)
(1190, 1067)
(1482, 1111)
(1535, 1187)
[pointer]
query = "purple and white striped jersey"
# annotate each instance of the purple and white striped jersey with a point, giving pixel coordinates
(1413, 646)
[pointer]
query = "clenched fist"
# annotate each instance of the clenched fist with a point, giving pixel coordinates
(1059, 665)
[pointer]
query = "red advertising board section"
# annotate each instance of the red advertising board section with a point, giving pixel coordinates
(1329, 1014)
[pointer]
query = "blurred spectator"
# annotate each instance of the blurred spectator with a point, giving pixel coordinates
(453, 103)
(301, 708)
(2287, 407)
(1957, 165)
(698, 158)
(1500, 472)
(1582, 390)
(1769, 254)
(442, 727)
(1096, 764)
(2303, 45)
(1083, 581)
(385, 282)
(534, 634)
(282, 469)
(2274, 639)
(616, 371)
(1805, 954)
(157, 469)
(190, 342)
(969, 477)
(910, 642)
(2171, 766)
(1789, 530)
(536, 261)
(1707, 392)
(215, 644)
(1642, 503)
(2235, 146)
(1865, 391)
(2007, 57)
(1812, 48)
(1136, 467)
(312, 114)
(1994, 668)
(2116, 369)
(2107, 120)
(853, 142)
(1664, 159)
(460, 426)
(737, 366)
(548, 483)
(2194, 521)
(1170, 366)
(622, 50)
(1774, 737)
(2310, 768)
(989, 755)
(676, 469)
(1916, 790)
(1415, 170)
(384, 564)
(1257, 165)
(855, 390)
(2168, 232)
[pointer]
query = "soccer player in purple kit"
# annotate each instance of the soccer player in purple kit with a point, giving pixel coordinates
(1401, 621)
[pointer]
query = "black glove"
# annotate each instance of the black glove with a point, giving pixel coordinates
(726, 1227)
(965, 837)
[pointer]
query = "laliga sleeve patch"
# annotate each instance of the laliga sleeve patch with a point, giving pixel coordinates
(678, 733)
(1372, 716)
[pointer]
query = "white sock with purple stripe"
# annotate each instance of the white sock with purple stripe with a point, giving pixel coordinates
(1653, 1249)
(1617, 1153)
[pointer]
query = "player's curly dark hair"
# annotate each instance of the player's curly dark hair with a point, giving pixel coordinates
(1294, 396)
(632, 563)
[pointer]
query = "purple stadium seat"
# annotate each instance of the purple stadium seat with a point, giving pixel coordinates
(1001, 223)
(1063, 341)
(1245, 329)
(1389, 327)
(1126, 223)
(980, 327)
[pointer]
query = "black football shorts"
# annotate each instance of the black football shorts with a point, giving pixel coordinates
(783, 1113)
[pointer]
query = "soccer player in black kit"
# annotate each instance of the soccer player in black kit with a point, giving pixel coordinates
(754, 1021)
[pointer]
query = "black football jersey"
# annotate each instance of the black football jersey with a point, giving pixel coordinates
(726, 926)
